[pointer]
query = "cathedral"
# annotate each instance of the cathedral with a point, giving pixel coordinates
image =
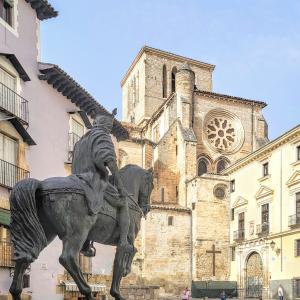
(188, 134)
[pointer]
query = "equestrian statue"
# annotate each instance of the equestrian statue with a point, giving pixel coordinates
(97, 203)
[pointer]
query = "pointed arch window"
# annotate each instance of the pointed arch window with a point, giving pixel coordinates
(221, 165)
(173, 87)
(202, 166)
(164, 82)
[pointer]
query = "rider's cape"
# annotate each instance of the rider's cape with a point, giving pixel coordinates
(91, 153)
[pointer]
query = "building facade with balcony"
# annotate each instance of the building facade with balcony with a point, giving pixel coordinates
(265, 219)
(43, 113)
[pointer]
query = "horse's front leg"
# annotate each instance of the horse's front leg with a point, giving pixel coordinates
(120, 265)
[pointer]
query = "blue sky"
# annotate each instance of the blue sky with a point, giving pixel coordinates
(255, 45)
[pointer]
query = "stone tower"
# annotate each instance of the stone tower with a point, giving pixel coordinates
(189, 135)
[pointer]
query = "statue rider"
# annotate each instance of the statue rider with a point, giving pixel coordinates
(93, 157)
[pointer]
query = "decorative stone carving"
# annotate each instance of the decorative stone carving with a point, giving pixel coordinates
(223, 131)
(220, 191)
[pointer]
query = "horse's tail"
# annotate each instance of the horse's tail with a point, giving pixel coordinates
(28, 236)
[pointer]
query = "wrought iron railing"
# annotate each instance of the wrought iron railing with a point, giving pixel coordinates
(239, 235)
(263, 229)
(6, 254)
(294, 220)
(13, 103)
(10, 174)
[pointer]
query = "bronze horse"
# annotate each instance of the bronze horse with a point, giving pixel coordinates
(42, 210)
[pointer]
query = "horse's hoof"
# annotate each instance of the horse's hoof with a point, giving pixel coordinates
(116, 295)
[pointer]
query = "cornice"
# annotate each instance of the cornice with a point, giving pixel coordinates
(265, 150)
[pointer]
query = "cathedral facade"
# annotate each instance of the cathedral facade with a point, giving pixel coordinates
(189, 135)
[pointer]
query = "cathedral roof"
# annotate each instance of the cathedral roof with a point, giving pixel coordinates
(44, 10)
(66, 85)
(230, 98)
(169, 55)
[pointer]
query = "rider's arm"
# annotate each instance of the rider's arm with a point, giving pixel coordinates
(112, 165)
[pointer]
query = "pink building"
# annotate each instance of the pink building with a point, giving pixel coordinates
(43, 112)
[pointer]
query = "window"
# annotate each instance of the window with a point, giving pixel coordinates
(297, 248)
(77, 131)
(232, 214)
(221, 165)
(202, 166)
(298, 207)
(232, 253)
(170, 221)
(177, 192)
(232, 186)
(6, 9)
(164, 82)
(297, 288)
(298, 153)
(8, 149)
(162, 194)
(241, 225)
(265, 169)
(265, 218)
(173, 88)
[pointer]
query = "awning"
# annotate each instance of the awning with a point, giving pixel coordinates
(4, 217)
(96, 287)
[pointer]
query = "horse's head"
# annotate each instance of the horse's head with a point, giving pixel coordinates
(146, 188)
(139, 183)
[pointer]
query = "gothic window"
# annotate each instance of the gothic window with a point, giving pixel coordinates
(221, 165)
(173, 88)
(162, 194)
(164, 82)
(202, 166)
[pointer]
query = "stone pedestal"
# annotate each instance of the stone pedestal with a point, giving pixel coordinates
(139, 292)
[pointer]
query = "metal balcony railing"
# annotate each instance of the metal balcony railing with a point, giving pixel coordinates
(294, 220)
(6, 254)
(13, 104)
(239, 235)
(10, 174)
(262, 229)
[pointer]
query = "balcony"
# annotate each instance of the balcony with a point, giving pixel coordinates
(11, 174)
(239, 235)
(6, 254)
(73, 139)
(13, 104)
(263, 229)
(294, 221)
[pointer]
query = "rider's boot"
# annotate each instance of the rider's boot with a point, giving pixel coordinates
(88, 249)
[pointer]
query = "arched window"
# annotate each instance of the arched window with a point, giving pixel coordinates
(221, 165)
(174, 71)
(202, 166)
(164, 82)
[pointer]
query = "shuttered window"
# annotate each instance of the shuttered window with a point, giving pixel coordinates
(8, 149)
(297, 247)
(6, 11)
(77, 128)
(7, 79)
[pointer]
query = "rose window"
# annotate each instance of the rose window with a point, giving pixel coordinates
(223, 131)
(220, 133)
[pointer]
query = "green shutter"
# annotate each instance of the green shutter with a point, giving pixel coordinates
(4, 217)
